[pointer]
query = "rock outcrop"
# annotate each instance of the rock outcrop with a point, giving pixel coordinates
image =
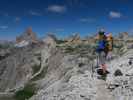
(28, 37)
(70, 81)
(74, 39)
(50, 40)
(17, 69)
(124, 36)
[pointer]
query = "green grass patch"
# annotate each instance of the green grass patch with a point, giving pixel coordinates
(69, 49)
(6, 46)
(27, 92)
(60, 41)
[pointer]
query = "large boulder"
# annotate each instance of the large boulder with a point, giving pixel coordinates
(118, 73)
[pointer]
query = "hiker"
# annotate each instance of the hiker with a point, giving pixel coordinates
(101, 50)
(109, 46)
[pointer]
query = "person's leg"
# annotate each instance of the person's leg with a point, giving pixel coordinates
(98, 59)
(109, 56)
(103, 59)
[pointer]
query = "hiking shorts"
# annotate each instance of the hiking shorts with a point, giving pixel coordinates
(101, 58)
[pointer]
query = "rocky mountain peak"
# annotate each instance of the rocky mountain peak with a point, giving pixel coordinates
(124, 35)
(75, 38)
(28, 35)
(26, 38)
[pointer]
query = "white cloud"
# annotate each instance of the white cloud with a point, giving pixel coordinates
(57, 8)
(114, 14)
(34, 13)
(88, 20)
(3, 27)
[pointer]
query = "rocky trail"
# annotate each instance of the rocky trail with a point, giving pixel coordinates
(102, 92)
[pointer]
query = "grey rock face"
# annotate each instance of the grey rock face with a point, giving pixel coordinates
(64, 79)
(16, 69)
(122, 88)
(4, 53)
(65, 82)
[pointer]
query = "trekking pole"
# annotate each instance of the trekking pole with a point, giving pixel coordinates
(92, 67)
(97, 60)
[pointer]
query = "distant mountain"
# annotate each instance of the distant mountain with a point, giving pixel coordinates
(26, 38)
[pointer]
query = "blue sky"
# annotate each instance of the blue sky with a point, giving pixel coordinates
(64, 17)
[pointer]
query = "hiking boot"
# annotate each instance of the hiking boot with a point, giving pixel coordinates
(101, 72)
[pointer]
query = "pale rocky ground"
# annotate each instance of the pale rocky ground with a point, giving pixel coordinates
(64, 73)
(82, 86)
